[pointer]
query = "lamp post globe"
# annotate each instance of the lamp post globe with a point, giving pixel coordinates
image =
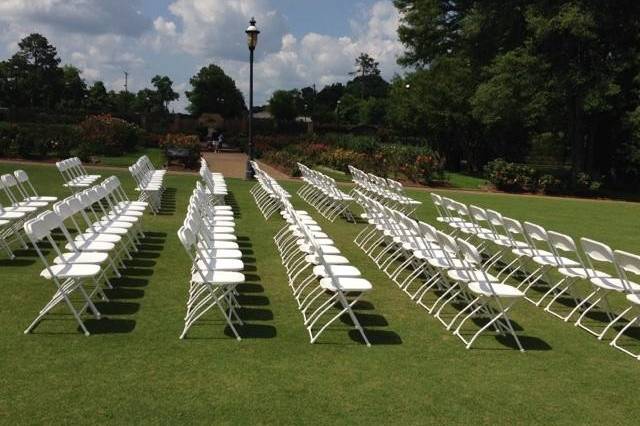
(252, 41)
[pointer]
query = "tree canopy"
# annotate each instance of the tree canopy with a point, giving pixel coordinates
(215, 92)
(490, 80)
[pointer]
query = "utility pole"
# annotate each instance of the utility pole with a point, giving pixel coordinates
(126, 82)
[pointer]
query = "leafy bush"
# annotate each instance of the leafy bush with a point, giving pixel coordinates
(586, 184)
(550, 184)
(510, 177)
(27, 140)
(106, 135)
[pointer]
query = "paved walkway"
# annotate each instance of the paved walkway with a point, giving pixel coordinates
(233, 165)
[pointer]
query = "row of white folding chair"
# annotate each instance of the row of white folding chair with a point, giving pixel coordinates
(75, 175)
(149, 182)
(319, 276)
(216, 187)
(90, 253)
(24, 203)
(323, 194)
(438, 263)
(208, 237)
(267, 192)
(560, 253)
(388, 191)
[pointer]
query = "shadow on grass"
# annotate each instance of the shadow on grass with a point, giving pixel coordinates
(168, 202)
(254, 307)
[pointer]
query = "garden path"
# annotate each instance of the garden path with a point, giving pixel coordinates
(233, 164)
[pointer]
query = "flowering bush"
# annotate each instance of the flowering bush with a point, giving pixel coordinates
(510, 177)
(418, 164)
(181, 141)
(183, 147)
(104, 134)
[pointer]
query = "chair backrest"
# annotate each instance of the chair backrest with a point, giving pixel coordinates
(597, 251)
(469, 253)
(561, 243)
(36, 229)
(627, 262)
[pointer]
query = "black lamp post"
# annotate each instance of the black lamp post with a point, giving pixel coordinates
(406, 126)
(252, 41)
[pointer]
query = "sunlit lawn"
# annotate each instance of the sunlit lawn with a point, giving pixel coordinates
(156, 155)
(134, 369)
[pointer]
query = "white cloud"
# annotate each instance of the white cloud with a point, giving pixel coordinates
(321, 59)
(79, 16)
(215, 28)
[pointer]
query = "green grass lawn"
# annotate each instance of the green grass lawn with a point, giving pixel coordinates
(156, 155)
(458, 180)
(134, 369)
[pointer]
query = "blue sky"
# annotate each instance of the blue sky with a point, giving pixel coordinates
(303, 42)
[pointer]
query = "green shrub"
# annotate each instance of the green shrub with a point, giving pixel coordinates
(29, 140)
(510, 177)
(550, 184)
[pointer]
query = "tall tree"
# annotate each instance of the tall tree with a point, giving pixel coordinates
(164, 87)
(40, 78)
(74, 87)
(283, 105)
(215, 92)
(366, 65)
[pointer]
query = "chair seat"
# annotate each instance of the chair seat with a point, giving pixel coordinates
(308, 248)
(93, 257)
(346, 284)
(71, 271)
(105, 238)
(222, 253)
(581, 272)
(614, 284)
(634, 298)
(120, 218)
(484, 288)
(133, 207)
(90, 246)
(218, 277)
(331, 259)
(553, 261)
(529, 252)
(224, 237)
(129, 211)
(337, 271)
(43, 199)
(219, 229)
(470, 275)
(446, 263)
(19, 209)
(218, 264)
(117, 224)
(225, 245)
(11, 215)
(107, 229)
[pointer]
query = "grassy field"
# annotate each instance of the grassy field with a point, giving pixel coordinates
(133, 369)
(458, 180)
(156, 156)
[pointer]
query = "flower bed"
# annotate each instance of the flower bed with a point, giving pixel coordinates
(417, 164)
